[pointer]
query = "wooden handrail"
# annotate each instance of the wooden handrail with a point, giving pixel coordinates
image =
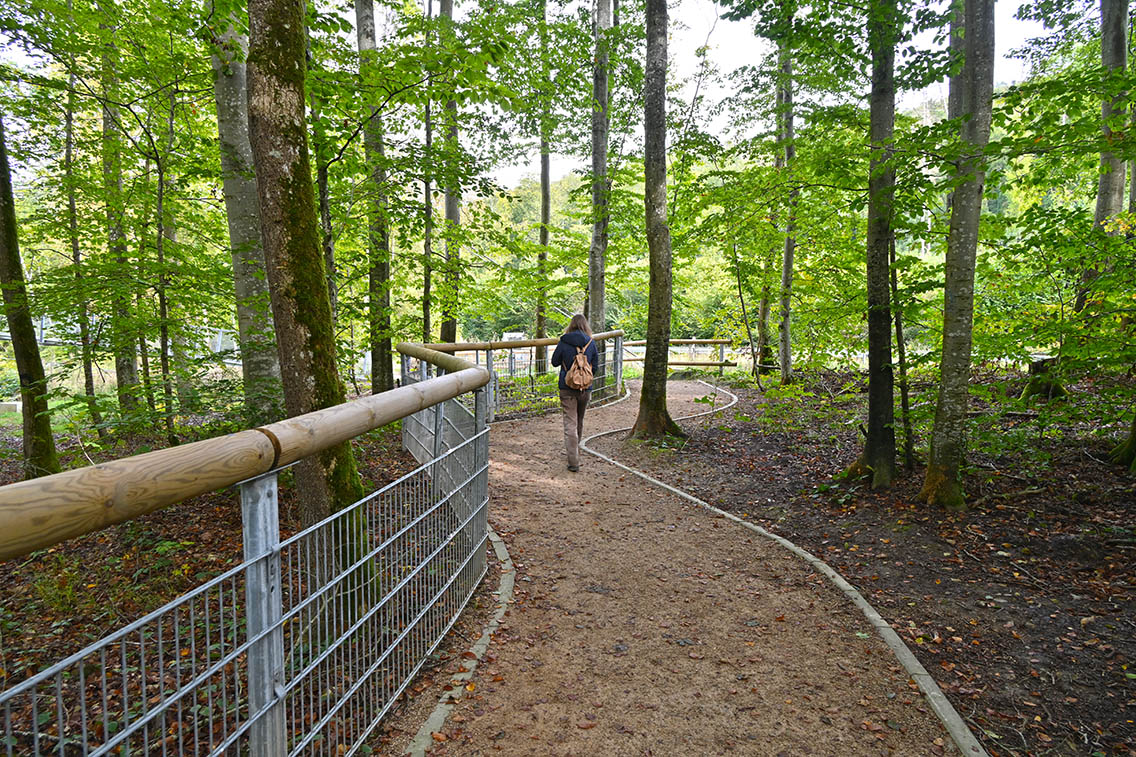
(707, 364)
(642, 342)
(460, 346)
(45, 511)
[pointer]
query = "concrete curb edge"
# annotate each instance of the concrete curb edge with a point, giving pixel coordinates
(424, 739)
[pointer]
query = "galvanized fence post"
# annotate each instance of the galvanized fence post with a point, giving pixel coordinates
(618, 363)
(439, 425)
(260, 513)
(721, 358)
(491, 399)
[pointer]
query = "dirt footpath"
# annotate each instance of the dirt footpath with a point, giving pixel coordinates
(646, 626)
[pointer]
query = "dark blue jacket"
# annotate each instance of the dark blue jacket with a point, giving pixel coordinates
(565, 353)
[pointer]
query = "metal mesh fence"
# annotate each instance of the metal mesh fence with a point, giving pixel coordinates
(299, 650)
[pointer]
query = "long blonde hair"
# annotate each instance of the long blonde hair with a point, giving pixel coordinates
(579, 323)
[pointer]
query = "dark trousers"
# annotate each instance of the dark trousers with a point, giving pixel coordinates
(574, 403)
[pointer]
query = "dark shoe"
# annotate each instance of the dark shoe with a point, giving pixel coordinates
(573, 468)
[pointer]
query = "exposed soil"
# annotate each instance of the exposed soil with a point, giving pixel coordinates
(645, 626)
(1024, 608)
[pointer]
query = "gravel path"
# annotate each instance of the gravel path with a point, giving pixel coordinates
(645, 626)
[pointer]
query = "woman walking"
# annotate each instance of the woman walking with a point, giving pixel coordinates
(576, 340)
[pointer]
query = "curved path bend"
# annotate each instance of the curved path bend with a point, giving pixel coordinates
(644, 625)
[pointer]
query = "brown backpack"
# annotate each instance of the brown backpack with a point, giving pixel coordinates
(579, 375)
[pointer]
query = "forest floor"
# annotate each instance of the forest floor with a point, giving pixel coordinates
(1023, 608)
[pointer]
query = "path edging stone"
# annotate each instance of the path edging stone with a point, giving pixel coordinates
(956, 727)
(424, 739)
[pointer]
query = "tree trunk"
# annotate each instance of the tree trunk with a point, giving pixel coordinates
(323, 189)
(428, 202)
(1125, 453)
(542, 256)
(125, 365)
(165, 233)
(39, 445)
(901, 350)
(142, 298)
(378, 238)
(427, 233)
(449, 328)
(754, 351)
(379, 284)
(297, 279)
(82, 315)
(878, 459)
(785, 113)
(601, 214)
(764, 351)
(1110, 183)
(541, 355)
(147, 384)
(942, 485)
(259, 364)
(654, 420)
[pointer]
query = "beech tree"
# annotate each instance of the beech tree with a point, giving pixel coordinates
(449, 325)
(259, 362)
(654, 420)
(125, 360)
(972, 89)
(601, 122)
(785, 137)
(1110, 182)
(878, 458)
(301, 306)
(378, 236)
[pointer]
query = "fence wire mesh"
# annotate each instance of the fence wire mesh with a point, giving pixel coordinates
(300, 650)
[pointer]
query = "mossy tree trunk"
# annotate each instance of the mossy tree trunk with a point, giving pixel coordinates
(427, 229)
(452, 278)
(596, 310)
(1125, 452)
(541, 355)
(259, 363)
(878, 458)
(378, 237)
(297, 278)
(971, 89)
(427, 199)
(654, 420)
(39, 445)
